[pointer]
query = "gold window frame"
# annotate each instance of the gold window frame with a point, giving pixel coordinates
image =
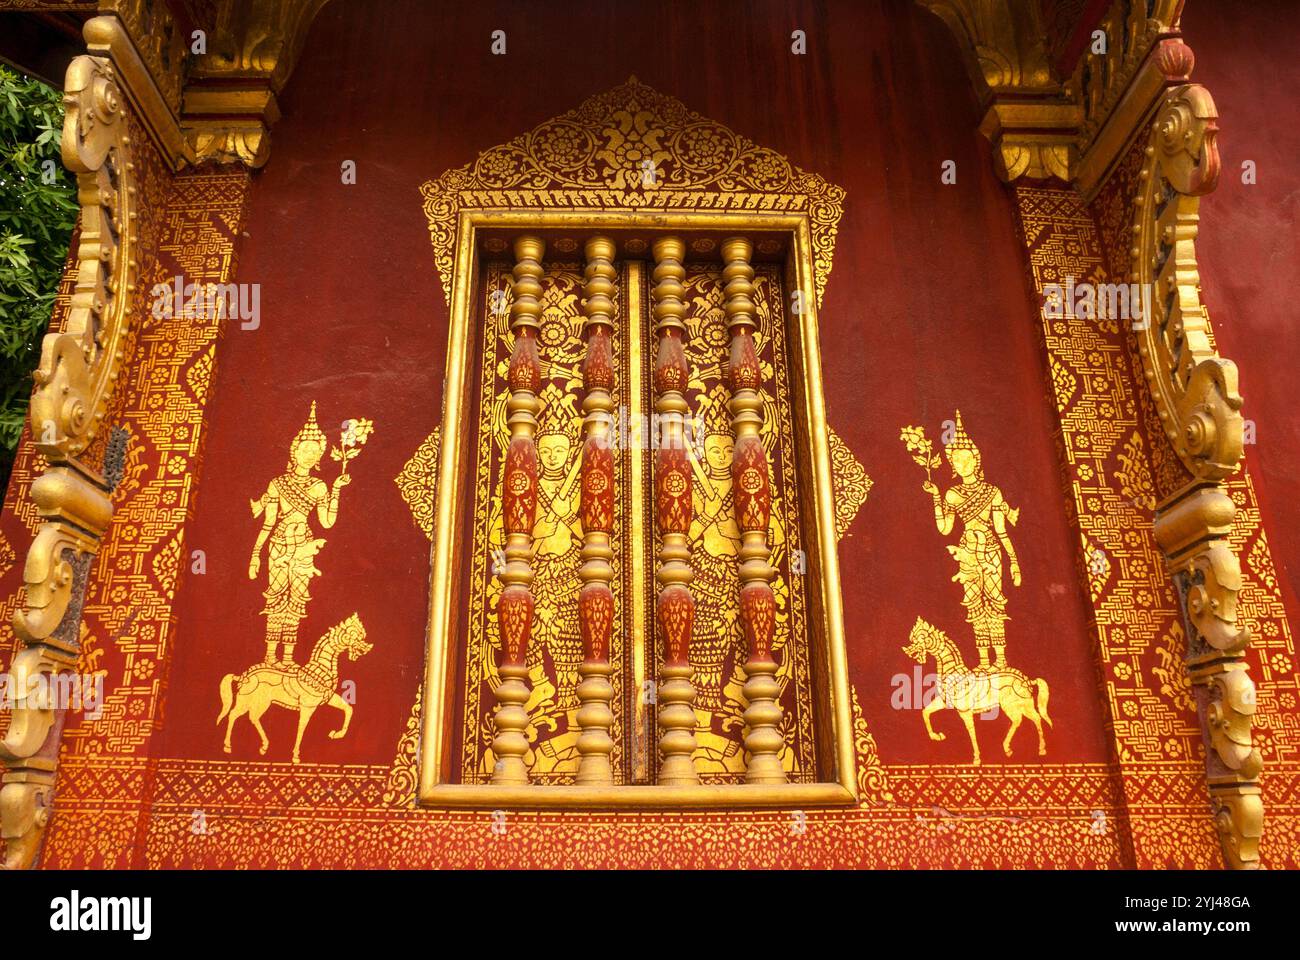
(827, 645)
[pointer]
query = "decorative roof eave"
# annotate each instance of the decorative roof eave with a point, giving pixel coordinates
(1073, 128)
(216, 106)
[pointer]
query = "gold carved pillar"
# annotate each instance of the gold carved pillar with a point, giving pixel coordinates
(519, 510)
(675, 609)
(1196, 396)
(596, 599)
(751, 481)
(74, 383)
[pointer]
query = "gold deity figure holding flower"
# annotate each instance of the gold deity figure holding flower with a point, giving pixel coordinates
(984, 515)
(286, 508)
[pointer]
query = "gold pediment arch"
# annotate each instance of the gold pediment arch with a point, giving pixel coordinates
(632, 149)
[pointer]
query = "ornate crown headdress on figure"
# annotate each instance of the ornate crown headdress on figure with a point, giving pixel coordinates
(961, 441)
(714, 413)
(559, 417)
(310, 431)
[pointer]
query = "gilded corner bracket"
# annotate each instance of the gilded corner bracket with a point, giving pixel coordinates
(1196, 396)
(203, 82)
(1043, 124)
(232, 88)
(1029, 117)
(74, 383)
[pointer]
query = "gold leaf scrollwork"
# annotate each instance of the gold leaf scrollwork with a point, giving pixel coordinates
(1195, 390)
(633, 148)
(74, 383)
(873, 779)
(79, 363)
(1196, 395)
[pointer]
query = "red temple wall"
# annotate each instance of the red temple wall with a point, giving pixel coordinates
(355, 321)
(1249, 244)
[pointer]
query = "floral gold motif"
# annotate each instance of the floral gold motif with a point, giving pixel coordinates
(633, 148)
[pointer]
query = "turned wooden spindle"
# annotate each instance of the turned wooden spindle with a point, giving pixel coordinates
(751, 483)
(675, 608)
(596, 599)
(519, 515)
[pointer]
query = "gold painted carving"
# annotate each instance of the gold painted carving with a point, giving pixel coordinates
(1195, 390)
(752, 494)
(1031, 139)
(79, 364)
(1192, 528)
(1028, 118)
(1118, 89)
(633, 149)
(149, 60)
(1196, 395)
(157, 41)
(555, 652)
(231, 91)
(438, 786)
(1001, 44)
(675, 499)
(74, 381)
(217, 106)
(638, 162)
(1042, 125)
(598, 489)
(516, 606)
(259, 39)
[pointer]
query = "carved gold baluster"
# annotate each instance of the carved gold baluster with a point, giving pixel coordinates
(596, 600)
(519, 511)
(79, 367)
(751, 482)
(675, 609)
(1197, 396)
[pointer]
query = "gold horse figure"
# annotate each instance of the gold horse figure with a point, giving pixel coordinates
(977, 691)
(302, 688)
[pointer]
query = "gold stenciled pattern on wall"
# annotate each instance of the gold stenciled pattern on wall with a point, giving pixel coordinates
(130, 604)
(267, 815)
(1114, 474)
(1272, 646)
(556, 648)
(632, 148)
(1134, 607)
(416, 482)
(718, 649)
(127, 615)
(127, 619)
(849, 481)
